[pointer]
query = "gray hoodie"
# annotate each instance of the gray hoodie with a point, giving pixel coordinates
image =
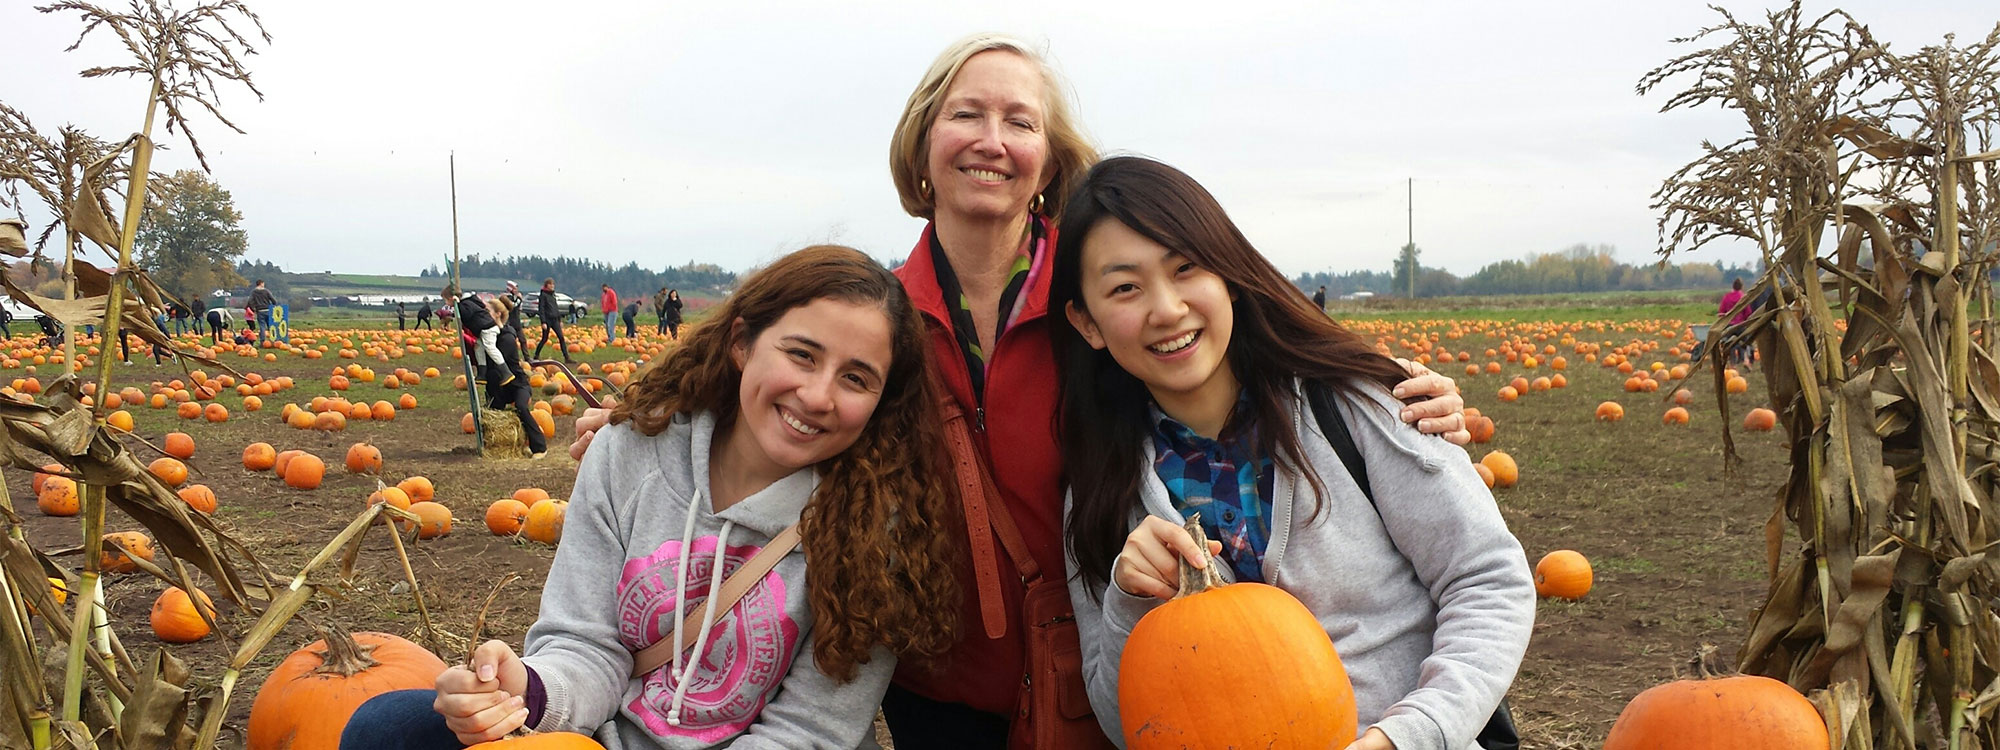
(639, 516)
(1429, 601)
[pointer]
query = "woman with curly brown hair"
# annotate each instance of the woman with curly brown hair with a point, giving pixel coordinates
(806, 400)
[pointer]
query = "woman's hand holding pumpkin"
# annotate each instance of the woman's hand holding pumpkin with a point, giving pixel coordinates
(488, 700)
(1373, 739)
(1443, 413)
(1150, 563)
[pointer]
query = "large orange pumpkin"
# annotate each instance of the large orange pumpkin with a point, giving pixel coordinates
(180, 445)
(304, 472)
(58, 497)
(169, 470)
(111, 560)
(1505, 471)
(198, 497)
(545, 521)
(308, 699)
(1610, 411)
(259, 456)
(1563, 574)
(1480, 427)
(1736, 713)
(363, 458)
(506, 516)
(418, 488)
(1760, 419)
(174, 617)
(433, 520)
(1287, 686)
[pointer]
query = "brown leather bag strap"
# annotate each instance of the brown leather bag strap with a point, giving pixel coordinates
(973, 498)
(733, 589)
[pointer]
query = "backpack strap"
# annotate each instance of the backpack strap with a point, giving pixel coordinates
(1326, 410)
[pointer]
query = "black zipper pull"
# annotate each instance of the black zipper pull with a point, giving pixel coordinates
(981, 412)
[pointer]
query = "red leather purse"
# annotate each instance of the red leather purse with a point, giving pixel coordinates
(1053, 711)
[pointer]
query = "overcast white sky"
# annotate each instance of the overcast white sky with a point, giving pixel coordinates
(731, 132)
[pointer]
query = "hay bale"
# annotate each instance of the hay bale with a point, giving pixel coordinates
(504, 438)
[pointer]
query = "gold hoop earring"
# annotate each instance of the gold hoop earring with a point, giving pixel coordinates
(1035, 204)
(924, 187)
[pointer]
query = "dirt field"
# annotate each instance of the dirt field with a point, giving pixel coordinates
(1676, 544)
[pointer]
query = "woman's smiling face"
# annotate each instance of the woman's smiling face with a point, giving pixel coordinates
(1164, 319)
(988, 153)
(812, 380)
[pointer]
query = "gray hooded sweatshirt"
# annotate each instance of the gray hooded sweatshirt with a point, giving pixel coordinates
(1429, 601)
(640, 550)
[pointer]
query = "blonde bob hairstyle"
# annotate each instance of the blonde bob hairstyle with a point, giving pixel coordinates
(1070, 153)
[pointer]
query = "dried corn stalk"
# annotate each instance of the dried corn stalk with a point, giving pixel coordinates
(1886, 613)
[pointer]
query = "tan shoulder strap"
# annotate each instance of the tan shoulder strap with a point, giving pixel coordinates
(733, 589)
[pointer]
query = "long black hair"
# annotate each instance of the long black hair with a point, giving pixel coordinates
(1279, 336)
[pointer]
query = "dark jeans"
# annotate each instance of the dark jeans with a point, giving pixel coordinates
(398, 720)
(551, 325)
(516, 394)
(521, 340)
(919, 723)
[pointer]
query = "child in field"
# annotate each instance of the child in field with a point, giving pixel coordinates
(806, 400)
(1186, 371)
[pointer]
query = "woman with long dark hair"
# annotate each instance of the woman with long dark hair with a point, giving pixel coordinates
(1187, 365)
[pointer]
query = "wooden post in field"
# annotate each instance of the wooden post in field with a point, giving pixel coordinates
(471, 382)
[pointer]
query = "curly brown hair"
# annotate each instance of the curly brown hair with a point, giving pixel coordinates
(879, 562)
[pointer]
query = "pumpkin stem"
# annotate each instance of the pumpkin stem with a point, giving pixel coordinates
(343, 655)
(1196, 580)
(1707, 664)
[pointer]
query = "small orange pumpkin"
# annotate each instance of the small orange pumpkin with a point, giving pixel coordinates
(545, 521)
(506, 516)
(198, 497)
(304, 472)
(541, 741)
(1760, 419)
(259, 456)
(180, 445)
(1563, 574)
(1676, 415)
(418, 488)
(363, 458)
(1610, 411)
(112, 560)
(1505, 472)
(58, 497)
(169, 470)
(433, 519)
(174, 617)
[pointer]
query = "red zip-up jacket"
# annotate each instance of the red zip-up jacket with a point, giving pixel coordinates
(1018, 416)
(608, 301)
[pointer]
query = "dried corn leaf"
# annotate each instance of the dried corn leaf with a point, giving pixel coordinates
(1875, 141)
(1993, 155)
(87, 216)
(156, 717)
(13, 237)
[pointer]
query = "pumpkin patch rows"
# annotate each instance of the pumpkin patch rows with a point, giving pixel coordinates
(1650, 549)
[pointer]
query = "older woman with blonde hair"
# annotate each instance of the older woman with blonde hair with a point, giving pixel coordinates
(984, 151)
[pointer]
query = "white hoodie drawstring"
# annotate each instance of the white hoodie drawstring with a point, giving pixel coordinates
(709, 615)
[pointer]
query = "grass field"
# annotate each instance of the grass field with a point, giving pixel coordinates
(1676, 541)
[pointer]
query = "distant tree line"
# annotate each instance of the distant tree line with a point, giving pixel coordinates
(1577, 268)
(580, 277)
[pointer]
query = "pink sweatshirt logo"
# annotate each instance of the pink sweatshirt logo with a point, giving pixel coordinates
(749, 649)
